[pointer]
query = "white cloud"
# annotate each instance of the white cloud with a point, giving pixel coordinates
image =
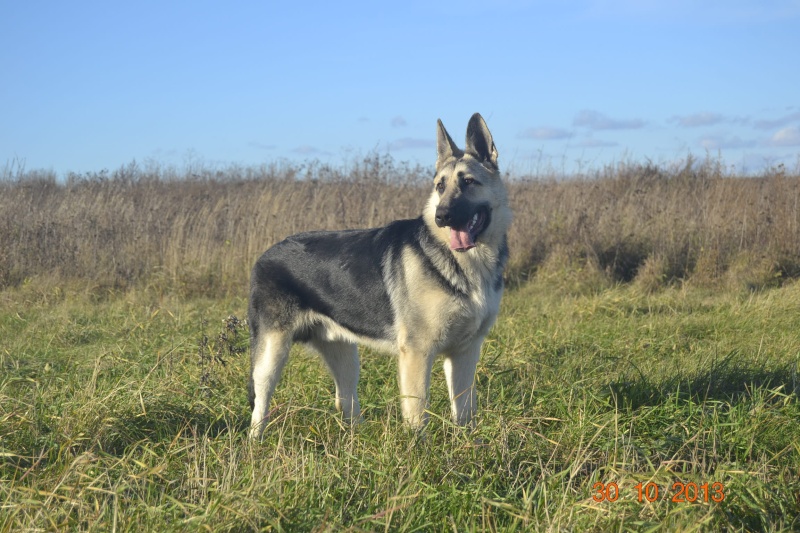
(596, 143)
(594, 120)
(719, 142)
(766, 124)
(399, 122)
(545, 134)
(698, 119)
(308, 150)
(407, 143)
(789, 136)
(261, 146)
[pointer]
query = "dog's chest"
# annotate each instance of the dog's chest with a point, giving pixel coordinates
(477, 315)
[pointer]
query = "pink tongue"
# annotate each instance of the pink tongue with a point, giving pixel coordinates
(461, 240)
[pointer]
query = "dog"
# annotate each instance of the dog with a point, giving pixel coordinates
(418, 288)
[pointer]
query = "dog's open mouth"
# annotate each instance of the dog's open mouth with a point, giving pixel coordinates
(463, 238)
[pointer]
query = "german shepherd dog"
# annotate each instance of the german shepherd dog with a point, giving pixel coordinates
(418, 288)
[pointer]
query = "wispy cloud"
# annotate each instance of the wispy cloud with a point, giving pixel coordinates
(766, 124)
(408, 143)
(261, 146)
(544, 134)
(399, 122)
(696, 120)
(789, 136)
(308, 150)
(591, 142)
(594, 120)
(719, 142)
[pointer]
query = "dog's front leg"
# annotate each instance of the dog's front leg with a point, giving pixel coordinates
(459, 371)
(414, 377)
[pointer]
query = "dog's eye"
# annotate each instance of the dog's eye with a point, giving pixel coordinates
(469, 181)
(440, 187)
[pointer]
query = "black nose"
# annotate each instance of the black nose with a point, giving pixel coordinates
(443, 217)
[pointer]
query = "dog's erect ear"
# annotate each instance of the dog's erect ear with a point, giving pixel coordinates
(444, 144)
(479, 141)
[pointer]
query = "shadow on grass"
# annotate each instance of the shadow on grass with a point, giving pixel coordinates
(164, 421)
(725, 380)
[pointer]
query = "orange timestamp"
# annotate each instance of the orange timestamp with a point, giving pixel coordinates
(680, 493)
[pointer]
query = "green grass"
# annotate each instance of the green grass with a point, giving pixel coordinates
(110, 419)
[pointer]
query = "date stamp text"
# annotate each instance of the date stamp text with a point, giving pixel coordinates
(679, 493)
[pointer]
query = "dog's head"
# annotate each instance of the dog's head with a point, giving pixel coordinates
(469, 204)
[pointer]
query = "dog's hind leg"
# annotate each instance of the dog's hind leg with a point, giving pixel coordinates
(269, 353)
(342, 361)
(459, 371)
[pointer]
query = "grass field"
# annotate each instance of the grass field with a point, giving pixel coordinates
(642, 375)
(127, 411)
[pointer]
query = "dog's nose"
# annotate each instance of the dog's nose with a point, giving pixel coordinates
(442, 217)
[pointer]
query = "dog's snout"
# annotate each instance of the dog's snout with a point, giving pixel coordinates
(443, 217)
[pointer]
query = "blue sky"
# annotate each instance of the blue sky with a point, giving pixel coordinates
(86, 86)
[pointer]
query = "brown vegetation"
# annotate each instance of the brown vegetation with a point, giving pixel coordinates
(199, 230)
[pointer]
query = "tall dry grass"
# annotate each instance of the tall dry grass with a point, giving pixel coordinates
(654, 225)
(199, 230)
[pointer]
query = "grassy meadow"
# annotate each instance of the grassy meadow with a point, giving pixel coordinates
(648, 337)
